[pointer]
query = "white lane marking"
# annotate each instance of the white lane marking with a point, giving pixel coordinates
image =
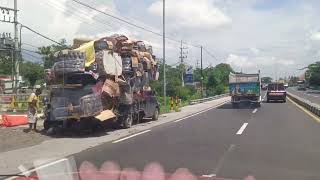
(178, 120)
(37, 168)
(128, 137)
(209, 175)
(255, 110)
(243, 127)
(223, 158)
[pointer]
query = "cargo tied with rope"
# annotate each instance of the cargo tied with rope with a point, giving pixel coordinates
(104, 79)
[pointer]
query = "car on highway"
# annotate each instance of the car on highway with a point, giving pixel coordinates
(276, 92)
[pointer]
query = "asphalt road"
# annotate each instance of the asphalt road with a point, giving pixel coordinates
(311, 95)
(276, 141)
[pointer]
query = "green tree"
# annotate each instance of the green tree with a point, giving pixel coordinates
(32, 72)
(5, 63)
(313, 74)
(48, 53)
(266, 80)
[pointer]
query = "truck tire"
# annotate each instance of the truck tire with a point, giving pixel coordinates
(127, 121)
(235, 105)
(46, 125)
(155, 114)
(284, 100)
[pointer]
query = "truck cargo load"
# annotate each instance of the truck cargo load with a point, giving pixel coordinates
(105, 79)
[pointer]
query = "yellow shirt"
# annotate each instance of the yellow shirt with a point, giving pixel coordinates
(33, 100)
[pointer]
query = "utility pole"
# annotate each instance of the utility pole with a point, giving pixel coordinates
(164, 55)
(197, 64)
(201, 73)
(16, 44)
(182, 62)
(7, 18)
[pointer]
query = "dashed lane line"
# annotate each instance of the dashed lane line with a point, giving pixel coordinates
(255, 110)
(243, 127)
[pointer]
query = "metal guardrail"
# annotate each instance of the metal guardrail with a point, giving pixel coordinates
(197, 101)
(312, 107)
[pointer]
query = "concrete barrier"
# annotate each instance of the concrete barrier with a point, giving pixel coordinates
(197, 101)
(312, 107)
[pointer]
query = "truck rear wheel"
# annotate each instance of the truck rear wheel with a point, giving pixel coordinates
(127, 121)
(235, 105)
(155, 115)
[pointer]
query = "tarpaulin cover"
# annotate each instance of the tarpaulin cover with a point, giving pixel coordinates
(88, 49)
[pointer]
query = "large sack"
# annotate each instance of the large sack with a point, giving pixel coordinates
(112, 88)
(100, 45)
(149, 57)
(109, 63)
(149, 49)
(126, 95)
(127, 65)
(141, 46)
(90, 105)
(117, 41)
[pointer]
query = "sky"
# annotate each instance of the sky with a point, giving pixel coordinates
(276, 37)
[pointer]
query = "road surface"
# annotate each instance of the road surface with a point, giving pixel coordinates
(276, 141)
(311, 95)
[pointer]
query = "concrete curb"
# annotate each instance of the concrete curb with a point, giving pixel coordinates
(312, 107)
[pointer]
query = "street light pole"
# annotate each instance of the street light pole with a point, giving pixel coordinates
(201, 71)
(16, 44)
(164, 56)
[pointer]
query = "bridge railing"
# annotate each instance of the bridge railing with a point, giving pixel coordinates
(312, 107)
(197, 101)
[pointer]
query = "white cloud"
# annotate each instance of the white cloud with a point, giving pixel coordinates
(191, 13)
(316, 36)
(238, 61)
(255, 51)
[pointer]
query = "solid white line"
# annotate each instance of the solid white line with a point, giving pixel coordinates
(38, 168)
(178, 120)
(119, 140)
(255, 110)
(243, 127)
(209, 175)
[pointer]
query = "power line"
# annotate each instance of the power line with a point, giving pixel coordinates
(42, 35)
(79, 15)
(31, 51)
(29, 45)
(210, 54)
(130, 23)
(31, 55)
(115, 17)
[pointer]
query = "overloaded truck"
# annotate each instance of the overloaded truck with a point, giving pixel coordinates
(102, 80)
(245, 88)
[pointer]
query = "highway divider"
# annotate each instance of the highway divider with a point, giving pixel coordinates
(197, 101)
(312, 107)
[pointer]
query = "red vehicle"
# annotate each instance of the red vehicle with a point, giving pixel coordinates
(276, 92)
